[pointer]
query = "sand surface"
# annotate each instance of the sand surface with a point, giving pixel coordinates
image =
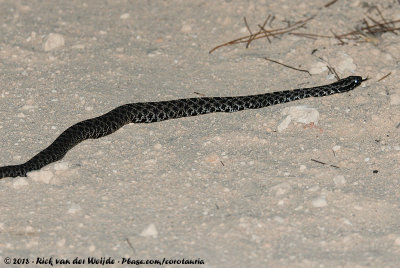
(229, 190)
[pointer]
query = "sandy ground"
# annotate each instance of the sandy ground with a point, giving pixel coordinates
(228, 190)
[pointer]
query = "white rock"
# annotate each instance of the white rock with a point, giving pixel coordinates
(53, 41)
(300, 114)
(150, 231)
(346, 221)
(19, 183)
(318, 68)
(346, 64)
(124, 16)
(319, 202)
(29, 229)
(284, 124)
(339, 180)
(43, 176)
(61, 166)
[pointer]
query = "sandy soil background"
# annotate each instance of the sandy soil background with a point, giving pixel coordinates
(227, 189)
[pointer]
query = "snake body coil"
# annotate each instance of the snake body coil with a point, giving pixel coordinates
(148, 112)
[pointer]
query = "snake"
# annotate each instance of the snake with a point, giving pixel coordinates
(149, 112)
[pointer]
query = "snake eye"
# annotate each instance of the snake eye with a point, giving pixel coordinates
(358, 80)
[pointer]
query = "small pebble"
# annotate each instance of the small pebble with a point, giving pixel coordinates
(157, 146)
(29, 230)
(124, 16)
(339, 180)
(186, 28)
(150, 231)
(53, 41)
(299, 114)
(319, 202)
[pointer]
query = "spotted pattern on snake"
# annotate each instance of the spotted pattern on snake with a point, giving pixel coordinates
(149, 112)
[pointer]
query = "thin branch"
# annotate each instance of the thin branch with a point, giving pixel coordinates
(263, 33)
(330, 68)
(322, 163)
(333, 71)
(130, 245)
(383, 77)
(330, 3)
(368, 32)
(338, 38)
(251, 34)
(297, 69)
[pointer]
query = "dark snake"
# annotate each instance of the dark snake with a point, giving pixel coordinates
(149, 112)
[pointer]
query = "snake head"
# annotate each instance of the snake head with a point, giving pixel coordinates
(355, 81)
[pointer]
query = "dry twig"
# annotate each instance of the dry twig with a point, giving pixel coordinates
(383, 77)
(369, 31)
(330, 3)
(294, 68)
(323, 163)
(263, 33)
